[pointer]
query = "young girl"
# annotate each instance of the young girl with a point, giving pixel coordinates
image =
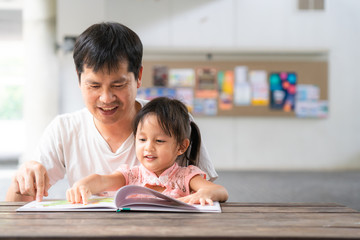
(164, 135)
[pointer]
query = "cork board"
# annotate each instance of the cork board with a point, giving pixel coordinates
(308, 72)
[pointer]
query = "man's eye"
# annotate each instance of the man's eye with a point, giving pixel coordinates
(119, 86)
(94, 86)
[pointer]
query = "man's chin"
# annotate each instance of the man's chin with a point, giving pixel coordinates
(106, 119)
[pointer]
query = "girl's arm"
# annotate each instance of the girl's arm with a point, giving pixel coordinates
(94, 184)
(205, 192)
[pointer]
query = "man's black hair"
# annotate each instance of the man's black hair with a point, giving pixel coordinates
(104, 45)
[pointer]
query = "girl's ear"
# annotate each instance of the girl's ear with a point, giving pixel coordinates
(183, 146)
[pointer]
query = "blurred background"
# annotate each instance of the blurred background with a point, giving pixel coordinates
(259, 158)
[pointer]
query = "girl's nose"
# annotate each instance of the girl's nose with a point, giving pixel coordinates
(149, 146)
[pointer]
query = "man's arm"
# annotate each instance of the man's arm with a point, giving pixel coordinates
(29, 183)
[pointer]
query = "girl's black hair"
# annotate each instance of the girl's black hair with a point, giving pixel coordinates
(174, 119)
(104, 45)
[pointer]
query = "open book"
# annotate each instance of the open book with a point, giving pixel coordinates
(127, 198)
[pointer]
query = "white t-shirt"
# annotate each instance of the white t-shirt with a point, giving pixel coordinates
(72, 145)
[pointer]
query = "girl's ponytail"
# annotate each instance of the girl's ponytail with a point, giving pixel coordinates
(195, 143)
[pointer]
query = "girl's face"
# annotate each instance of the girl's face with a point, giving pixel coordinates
(154, 149)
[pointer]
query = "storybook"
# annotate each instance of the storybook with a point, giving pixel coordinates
(127, 198)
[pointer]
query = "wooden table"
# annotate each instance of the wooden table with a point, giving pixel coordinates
(238, 221)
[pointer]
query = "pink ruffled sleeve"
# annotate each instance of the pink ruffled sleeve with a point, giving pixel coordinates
(192, 171)
(132, 175)
(124, 169)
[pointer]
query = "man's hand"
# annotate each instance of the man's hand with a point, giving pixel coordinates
(30, 180)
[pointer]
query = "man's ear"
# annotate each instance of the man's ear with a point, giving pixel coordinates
(140, 77)
(79, 77)
(183, 146)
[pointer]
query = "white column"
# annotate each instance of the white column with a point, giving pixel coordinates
(41, 75)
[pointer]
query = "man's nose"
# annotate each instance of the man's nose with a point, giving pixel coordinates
(107, 96)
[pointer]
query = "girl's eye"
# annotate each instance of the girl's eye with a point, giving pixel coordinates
(142, 139)
(160, 141)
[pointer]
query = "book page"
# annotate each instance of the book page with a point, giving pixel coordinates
(94, 204)
(151, 200)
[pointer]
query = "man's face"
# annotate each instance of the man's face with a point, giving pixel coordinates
(110, 97)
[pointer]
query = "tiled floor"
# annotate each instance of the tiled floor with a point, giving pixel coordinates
(338, 187)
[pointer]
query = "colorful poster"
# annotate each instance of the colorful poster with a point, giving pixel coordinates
(312, 109)
(160, 76)
(205, 106)
(186, 95)
(308, 103)
(307, 92)
(181, 77)
(259, 88)
(206, 83)
(226, 89)
(154, 92)
(283, 90)
(242, 89)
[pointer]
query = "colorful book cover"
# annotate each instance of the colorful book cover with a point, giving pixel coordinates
(283, 90)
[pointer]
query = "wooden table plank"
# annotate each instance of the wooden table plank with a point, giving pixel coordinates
(246, 219)
(221, 232)
(238, 221)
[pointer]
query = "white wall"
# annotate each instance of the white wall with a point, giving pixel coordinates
(246, 142)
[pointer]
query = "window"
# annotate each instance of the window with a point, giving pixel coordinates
(11, 85)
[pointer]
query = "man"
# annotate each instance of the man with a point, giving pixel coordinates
(98, 138)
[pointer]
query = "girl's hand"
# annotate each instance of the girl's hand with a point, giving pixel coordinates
(94, 184)
(203, 197)
(205, 192)
(79, 193)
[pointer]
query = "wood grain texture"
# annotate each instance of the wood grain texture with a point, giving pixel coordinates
(237, 221)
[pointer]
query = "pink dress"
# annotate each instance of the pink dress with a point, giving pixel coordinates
(175, 179)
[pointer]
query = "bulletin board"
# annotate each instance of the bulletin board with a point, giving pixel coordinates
(308, 72)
